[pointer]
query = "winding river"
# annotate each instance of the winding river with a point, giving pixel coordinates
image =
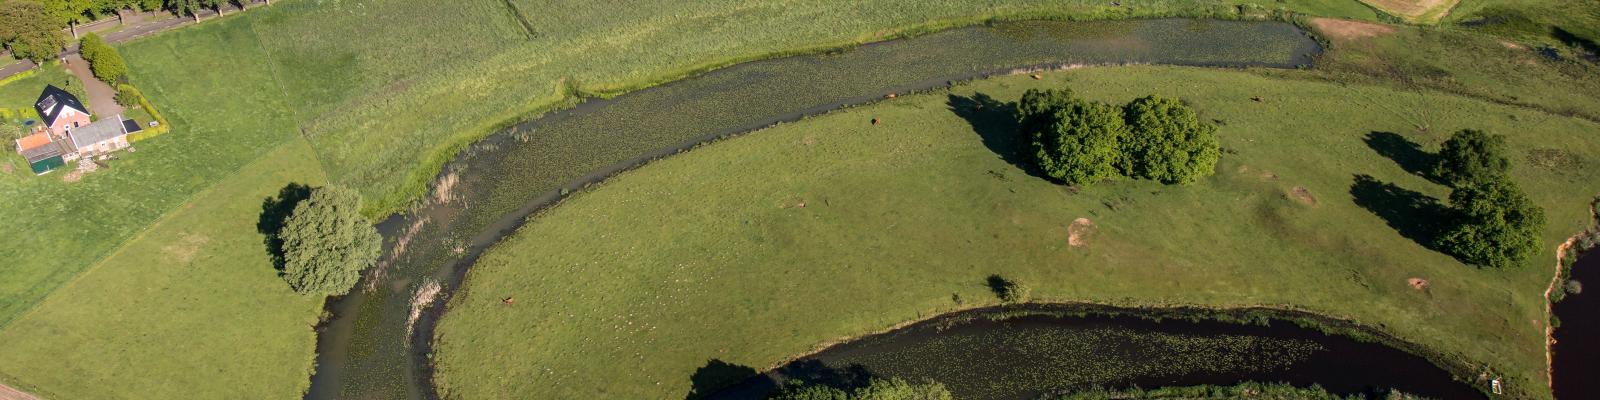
(377, 343)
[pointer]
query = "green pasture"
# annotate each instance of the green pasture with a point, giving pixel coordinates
(763, 247)
(190, 308)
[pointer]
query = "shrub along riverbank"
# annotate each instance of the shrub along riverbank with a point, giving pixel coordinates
(833, 227)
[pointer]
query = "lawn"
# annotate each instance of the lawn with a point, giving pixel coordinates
(799, 235)
(56, 229)
(18, 94)
(189, 309)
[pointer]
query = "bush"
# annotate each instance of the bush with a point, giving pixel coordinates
(104, 61)
(1072, 140)
(1009, 291)
(1167, 142)
(326, 243)
(128, 96)
(1471, 156)
(876, 389)
(1495, 225)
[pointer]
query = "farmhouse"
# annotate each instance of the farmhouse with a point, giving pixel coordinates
(60, 110)
(67, 133)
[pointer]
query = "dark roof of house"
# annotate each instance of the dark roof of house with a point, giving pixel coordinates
(99, 131)
(52, 100)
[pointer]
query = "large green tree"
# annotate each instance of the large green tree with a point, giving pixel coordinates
(1078, 143)
(1471, 156)
(877, 389)
(1167, 142)
(1037, 108)
(1495, 225)
(326, 243)
(104, 61)
(29, 31)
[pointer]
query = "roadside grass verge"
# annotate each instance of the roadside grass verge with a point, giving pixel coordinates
(55, 229)
(811, 232)
(190, 308)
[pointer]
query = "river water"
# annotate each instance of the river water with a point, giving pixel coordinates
(1576, 353)
(377, 343)
(1021, 353)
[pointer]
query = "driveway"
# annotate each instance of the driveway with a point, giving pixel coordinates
(102, 97)
(7, 393)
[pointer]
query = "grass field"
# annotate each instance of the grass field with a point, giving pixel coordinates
(620, 288)
(386, 91)
(190, 308)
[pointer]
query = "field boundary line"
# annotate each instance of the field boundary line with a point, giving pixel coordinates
(122, 246)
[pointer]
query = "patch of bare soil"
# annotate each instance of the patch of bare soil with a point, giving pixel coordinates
(1511, 45)
(1417, 283)
(1078, 232)
(1410, 8)
(1344, 29)
(9, 393)
(1302, 195)
(183, 250)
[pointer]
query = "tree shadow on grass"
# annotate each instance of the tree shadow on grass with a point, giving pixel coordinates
(711, 382)
(1415, 215)
(996, 124)
(1409, 155)
(275, 213)
(717, 375)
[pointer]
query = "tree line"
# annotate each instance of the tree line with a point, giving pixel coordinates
(34, 29)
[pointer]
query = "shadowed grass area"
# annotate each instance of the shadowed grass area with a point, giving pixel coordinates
(191, 308)
(832, 227)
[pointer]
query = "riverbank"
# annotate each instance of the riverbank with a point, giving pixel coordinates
(842, 227)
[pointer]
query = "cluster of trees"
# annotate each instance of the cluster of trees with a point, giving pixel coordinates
(319, 238)
(104, 61)
(1246, 390)
(1078, 141)
(877, 389)
(32, 29)
(1492, 222)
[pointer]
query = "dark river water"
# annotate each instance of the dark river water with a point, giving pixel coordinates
(1575, 365)
(988, 354)
(377, 344)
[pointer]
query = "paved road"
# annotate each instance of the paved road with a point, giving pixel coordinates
(139, 25)
(102, 97)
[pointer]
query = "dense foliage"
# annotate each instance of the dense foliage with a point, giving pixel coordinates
(1247, 390)
(1167, 142)
(1472, 156)
(1078, 141)
(28, 31)
(1494, 224)
(104, 61)
(9, 133)
(878, 389)
(326, 243)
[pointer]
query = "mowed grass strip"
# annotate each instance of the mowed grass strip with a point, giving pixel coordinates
(226, 111)
(761, 248)
(189, 309)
